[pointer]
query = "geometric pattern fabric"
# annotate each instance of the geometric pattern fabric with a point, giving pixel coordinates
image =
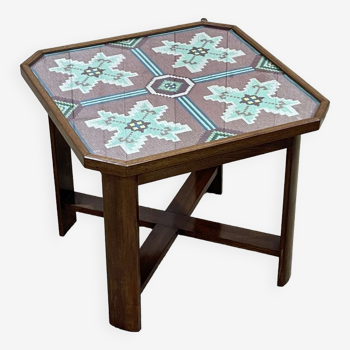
(195, 55)
(85, 76)
(143, 96)
(246, 104)
(131, 131)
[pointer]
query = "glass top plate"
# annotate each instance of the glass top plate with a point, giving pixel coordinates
(149, 95)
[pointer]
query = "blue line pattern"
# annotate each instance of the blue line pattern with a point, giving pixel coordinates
(41, 81)
(81, 137)
(301, 89)
(244, 42)
(201, 118)
(228, 73)
(147, 62)
(115, 97)
(189, 84)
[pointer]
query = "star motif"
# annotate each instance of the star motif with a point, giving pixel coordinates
(133, 130)
(248, 103)
(195, 55)
(84, 76)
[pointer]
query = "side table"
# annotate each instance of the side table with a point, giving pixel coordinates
(147, 106)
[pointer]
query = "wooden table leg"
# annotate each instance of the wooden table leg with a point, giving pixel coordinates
(288, 215)
(63, 175)
(120, 202)
(216, 186)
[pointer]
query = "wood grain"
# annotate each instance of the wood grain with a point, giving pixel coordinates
(129, 268)
(214, 231)
(215, 161)
(120, 202)
(216, 185)
(203, 152)
(189, 226)
(162, 237)
(63, 177)
(288, 215)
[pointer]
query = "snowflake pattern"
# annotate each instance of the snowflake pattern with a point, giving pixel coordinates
(195, 55)
(132, 131)
(84, 76)
(248, 103)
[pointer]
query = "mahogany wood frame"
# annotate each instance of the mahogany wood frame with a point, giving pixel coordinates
(129, 268)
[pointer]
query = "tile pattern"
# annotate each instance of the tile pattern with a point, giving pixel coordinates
(195, 55)
(85, 76)
(148, 95)
(132, 131)
(247, 104)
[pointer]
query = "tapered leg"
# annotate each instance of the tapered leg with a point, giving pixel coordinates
(63, 174)
(216, 185)
(288, 214)
(120, 202)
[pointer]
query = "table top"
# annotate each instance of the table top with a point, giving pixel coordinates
(170, 92)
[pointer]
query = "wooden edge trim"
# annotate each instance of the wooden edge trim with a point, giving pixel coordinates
(122, 37)
(279, 64)
(53, 111)
(322, 111)
(33, 58)
(203, 151)
(214, 161)
(39, 53)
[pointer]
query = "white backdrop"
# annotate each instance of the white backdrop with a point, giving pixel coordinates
(53, 292)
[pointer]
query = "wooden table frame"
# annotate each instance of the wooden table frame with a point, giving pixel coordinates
(130, 268)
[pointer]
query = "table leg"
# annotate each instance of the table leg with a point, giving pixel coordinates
(120, 202)
(288, 215)
(216, 186)
(63, 175)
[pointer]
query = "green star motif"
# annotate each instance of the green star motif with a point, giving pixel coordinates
(133, 130)
(248, 103)
(84, 76)
(195, 55)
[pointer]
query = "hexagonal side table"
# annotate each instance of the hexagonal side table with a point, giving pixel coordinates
(147, 106)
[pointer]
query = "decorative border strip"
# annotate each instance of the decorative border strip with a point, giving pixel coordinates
(81, 137)
(201, 118)
(301, 89)
(41, 81)
(244, 42)
(223, 74)
(115, 97)
(147, 62)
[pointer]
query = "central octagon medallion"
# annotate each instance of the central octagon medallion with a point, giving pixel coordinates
(170, 86)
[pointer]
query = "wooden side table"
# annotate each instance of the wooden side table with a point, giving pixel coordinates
(147, 106)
